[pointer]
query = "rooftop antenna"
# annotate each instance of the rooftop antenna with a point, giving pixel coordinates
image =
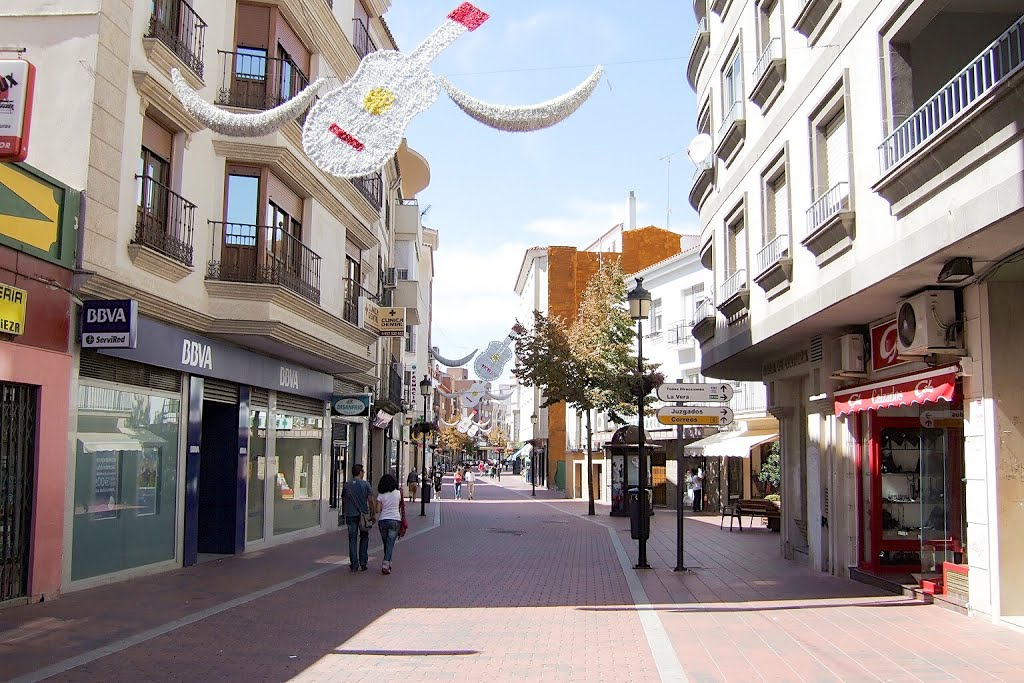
(668, 187)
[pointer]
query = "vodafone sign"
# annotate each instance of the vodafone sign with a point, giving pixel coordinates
(883, 346)
(17, 80)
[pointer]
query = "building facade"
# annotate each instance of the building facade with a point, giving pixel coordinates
(251, 277)
(860, 215)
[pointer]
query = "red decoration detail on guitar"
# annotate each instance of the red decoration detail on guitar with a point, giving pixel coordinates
(469, 16)
(346, 137)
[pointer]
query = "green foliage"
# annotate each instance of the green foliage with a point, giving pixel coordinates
(771, 471)
(774, 497)
(451, 440)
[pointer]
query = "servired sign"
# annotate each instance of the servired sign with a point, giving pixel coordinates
(884, 353)
(17, 84)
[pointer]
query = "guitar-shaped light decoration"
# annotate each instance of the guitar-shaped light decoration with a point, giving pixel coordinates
(490, 363)
(356, 128)
(477, 391)
(465, 423)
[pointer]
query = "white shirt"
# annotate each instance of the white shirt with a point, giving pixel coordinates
(389, 505)
(470, 477)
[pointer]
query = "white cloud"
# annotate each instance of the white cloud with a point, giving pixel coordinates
(581, 222)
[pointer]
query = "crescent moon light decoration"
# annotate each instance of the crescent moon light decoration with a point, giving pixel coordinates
(357, 127)
(500, 397)
(452, 363)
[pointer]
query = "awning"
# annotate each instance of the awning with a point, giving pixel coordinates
(102, 442)
(730, 444)
(928, 386)
(522, 452)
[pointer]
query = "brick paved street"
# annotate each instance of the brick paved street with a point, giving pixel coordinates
(506, 587)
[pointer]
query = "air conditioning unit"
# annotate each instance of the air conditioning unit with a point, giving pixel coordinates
(924, 322)
(848, 353)
(391, 277)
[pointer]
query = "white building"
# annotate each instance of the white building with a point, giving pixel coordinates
(867, 164)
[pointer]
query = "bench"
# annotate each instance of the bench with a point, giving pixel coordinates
(752, 508)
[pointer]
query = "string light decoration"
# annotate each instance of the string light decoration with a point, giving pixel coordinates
(356, 128)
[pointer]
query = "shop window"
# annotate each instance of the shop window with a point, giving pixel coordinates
(257, 479)
(298, 443)
(126, 478)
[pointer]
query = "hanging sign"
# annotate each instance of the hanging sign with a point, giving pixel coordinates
(110, 324)
(392, 322)
(695, 415)
(369, 314)
(17, 82)
(884, 353)
(13, 303)
(351, 405)
(695, 392)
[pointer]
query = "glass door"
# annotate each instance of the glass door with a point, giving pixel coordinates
(257, 481)
(936, 540)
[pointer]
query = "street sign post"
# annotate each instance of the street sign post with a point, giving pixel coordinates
(700, 393)
(937, 419)
(695, 415)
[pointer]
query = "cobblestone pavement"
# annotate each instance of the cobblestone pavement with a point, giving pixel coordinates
(505, 587)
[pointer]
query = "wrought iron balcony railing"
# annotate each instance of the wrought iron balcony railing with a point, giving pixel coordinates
(265, 254)
(994, 66)
(828, 205)
(350, 304)
(361, 39)
(164, 220)
(680, 333)
(770, 254)
(371, 187)
(175, 24)
(254, 81)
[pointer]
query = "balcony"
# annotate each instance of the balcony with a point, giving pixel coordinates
(774, 266)
(813, 16)
(830, 224)
(732, 132)
(351, 305)
(264, 254)
(406, 294)
(253, 81)
(700, 9)
(407, 219)
(163, 223)
(680, 333)
(935, 129)
(371, 188)
(733, 294)
(698, 53)
(177, 26)
(361, 39)
(749, 398)
(704, 320)
(702, 183)
(769, 74)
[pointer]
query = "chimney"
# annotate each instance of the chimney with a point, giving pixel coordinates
(631, 204)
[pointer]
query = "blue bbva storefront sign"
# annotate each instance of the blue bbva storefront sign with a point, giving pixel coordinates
(177, 349)
(110, 324)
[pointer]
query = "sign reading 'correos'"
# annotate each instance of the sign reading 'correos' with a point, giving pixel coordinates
(695, 415)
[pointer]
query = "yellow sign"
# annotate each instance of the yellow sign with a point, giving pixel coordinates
(689, 420)
(13, 302)
(392, 322)
(30, 212)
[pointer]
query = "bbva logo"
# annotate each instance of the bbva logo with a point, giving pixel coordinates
(289, 378)
(197, 355)
(105, 315)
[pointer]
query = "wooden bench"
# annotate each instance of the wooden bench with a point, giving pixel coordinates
(752, 508)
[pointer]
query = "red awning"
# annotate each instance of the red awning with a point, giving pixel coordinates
(928, 386)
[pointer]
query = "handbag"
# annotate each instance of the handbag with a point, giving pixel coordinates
(367, 520)
(405, 523)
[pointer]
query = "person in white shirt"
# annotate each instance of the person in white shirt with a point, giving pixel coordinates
(390, 513)
(697, 480)
(470, 482)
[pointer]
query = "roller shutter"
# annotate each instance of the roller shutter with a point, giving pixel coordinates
(95, 365)
(219, 391)
(837, 155)
(299, 405)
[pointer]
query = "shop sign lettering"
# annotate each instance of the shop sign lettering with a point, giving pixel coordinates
(289, 378)
(13, 304)
(196, 355)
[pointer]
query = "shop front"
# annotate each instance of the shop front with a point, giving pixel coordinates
(910, 468)
(187, 446)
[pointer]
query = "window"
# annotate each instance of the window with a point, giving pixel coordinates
(297, 440)
(776, 203)
(690, 297)
(732, 83)
(833, 155)
(410, 339)
(656, 316)
(736, 257)
(769, 24)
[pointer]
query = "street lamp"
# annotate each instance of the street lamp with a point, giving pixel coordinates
(425, 390)
(639, 309)
(533, 456)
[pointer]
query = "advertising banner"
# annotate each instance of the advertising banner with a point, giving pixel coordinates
(17, 82)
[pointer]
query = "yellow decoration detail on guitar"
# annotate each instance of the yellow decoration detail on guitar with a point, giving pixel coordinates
(378, 101)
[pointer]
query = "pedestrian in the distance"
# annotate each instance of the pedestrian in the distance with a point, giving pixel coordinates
(697, 479)
(458, 484)
(437, 483)
(390, 517)
(470, 482)
(357, 497)
(498, 471)
(412, 480)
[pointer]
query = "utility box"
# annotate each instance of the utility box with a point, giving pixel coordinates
(639, 525)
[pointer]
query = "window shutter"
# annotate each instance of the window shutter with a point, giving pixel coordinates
(252, 26)
(774, 23)
(284, 197)
(837, 157)
(157, 139)
(777, 210)
(287, 39)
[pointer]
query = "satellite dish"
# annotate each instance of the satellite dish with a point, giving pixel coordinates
(699, 148)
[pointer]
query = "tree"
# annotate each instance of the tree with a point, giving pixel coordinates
(589, 362)
(771, 472)
(451, 440)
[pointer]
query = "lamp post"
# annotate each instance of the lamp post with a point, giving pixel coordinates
(533, 456)
(639, 309)
(425, 389)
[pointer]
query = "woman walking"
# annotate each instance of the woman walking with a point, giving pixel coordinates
(458, 484)
(390, 516)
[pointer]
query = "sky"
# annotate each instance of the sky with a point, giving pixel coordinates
(493, 194)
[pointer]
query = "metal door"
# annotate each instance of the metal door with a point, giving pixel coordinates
(17, 457)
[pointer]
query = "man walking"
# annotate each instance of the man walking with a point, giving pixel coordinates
(412, 480)
(357, 496)
(470, 482)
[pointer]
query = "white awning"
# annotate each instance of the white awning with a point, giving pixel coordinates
(730, 444)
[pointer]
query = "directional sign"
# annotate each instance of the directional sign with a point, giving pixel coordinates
(937, 419)
(695, 392)
(695, 415)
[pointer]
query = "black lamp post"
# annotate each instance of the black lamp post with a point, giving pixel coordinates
(639, 309)
(533, 456)
(426, 387)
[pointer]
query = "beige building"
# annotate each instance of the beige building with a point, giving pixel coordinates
(253, 275)
(861, 216)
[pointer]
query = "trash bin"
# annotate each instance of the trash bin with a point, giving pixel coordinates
(428, 488)
(639, 527)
